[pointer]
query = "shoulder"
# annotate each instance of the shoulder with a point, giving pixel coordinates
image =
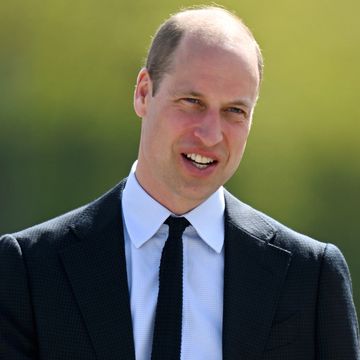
(41, 241)
(262, 226)
(57, 233)
(315, 267)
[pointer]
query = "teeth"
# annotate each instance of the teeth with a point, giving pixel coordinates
(200, 166)
(203, 160)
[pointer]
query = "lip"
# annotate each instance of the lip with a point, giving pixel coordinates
(204, 153)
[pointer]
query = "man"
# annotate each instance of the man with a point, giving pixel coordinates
(86, 285)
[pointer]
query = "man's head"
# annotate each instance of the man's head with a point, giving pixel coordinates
(171, 32)
(197, 108)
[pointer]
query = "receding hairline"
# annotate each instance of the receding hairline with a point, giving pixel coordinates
(218, 27)
(210, 20)
(209, 25)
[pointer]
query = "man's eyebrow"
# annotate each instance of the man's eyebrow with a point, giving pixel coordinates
(242, 102)
(238, 102)
(187, 93)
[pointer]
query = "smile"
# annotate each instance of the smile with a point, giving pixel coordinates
(201, 162)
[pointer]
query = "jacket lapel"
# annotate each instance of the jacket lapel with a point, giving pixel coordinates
(254, 274)
(96, 268)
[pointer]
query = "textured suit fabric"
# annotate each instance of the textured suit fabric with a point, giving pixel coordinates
(64, 293)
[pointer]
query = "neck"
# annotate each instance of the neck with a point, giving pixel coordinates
(174, 203)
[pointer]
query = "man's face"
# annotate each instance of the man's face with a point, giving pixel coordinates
(194, 129)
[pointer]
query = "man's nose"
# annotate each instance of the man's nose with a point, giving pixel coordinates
(209, 129)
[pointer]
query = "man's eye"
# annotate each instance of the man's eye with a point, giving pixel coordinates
(236, 110)
(192, 100)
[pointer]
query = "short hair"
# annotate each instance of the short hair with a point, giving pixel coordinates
(168, 36)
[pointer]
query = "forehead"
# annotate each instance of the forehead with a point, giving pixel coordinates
(225, 66)
(197, 48)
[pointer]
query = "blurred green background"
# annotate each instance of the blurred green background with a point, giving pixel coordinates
(68, 131)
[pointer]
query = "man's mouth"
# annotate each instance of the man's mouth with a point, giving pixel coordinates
(201, 162)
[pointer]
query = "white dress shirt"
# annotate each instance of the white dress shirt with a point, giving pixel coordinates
(203, 269)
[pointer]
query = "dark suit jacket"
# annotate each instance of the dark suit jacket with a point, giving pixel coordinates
(64, 292)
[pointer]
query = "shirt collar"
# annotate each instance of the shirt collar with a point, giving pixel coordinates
(143, 215)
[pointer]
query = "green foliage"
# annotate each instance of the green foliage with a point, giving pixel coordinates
(68, 131)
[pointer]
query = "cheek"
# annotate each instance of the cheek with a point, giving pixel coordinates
(175, 124)
(237, 142)
(158, 137)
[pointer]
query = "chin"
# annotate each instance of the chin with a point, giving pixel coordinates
(197, 194)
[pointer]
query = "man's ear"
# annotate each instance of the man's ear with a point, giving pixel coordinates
(142, 93)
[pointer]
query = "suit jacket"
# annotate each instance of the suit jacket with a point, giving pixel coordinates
(64, 292)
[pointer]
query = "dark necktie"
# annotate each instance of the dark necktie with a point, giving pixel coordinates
(167, 330)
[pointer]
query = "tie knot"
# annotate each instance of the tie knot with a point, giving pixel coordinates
(177, 225)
